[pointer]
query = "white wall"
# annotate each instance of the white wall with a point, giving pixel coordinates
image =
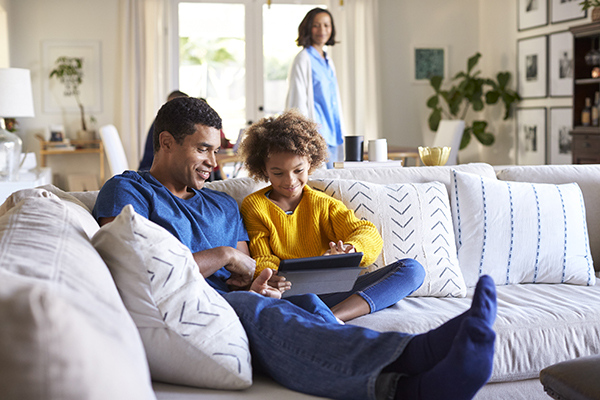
(33, 21)
(408, 23)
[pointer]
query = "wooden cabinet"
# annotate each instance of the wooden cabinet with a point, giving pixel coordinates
(586, 139)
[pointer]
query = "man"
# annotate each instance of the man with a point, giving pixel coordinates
(304, 349)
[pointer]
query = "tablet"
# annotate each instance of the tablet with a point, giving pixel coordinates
(322, 274)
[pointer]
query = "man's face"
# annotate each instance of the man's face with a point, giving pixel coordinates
(193, 160)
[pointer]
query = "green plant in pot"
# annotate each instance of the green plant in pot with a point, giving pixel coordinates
(470, 90)
(594, 5)
(69, 71)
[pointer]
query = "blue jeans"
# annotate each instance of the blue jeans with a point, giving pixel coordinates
(303, 352)
(384, 287)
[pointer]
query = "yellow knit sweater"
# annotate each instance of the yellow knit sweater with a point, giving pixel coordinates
(318, 220)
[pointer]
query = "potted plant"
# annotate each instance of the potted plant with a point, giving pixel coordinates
(470, 91)
(594, 5)
(69, 71)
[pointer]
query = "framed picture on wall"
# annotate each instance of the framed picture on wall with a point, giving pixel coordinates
(532, 61)
(566, 10)
(531, 136)
(560, 61)
(532, 13)
(428, 61)
(559, 148)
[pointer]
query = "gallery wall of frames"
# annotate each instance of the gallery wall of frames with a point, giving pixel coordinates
(545, 71)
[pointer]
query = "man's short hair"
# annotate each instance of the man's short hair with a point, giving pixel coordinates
(180, 116)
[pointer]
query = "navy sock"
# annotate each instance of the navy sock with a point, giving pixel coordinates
(465, 369)
(426, 350)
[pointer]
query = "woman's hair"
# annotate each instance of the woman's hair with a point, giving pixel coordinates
(305, 28)
(290, 132)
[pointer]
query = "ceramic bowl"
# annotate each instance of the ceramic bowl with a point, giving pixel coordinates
(432, 156)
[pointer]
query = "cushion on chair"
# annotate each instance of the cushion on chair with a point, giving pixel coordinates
(573, 380)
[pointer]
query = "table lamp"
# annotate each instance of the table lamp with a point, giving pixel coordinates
(16, 100)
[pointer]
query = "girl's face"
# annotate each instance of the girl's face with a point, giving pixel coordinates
(288, 174)
(321, 29)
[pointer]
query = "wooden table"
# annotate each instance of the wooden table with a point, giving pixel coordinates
(401, 153)
(78, 147)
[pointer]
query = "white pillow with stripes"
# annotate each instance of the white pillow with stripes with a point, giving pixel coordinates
(520, 232)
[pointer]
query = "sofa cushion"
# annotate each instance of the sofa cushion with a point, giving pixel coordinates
(520, 232)
(586, 176)
(537, 325)
(414, 221)
(79, 209)
(64, 332)
(191, 334)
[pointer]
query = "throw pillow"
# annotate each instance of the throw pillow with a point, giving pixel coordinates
(414, 221)
(64, 332)
(520, 232)
(191, 334)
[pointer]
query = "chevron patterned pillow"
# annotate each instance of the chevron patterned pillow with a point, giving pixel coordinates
(415, 222)
(191, 334)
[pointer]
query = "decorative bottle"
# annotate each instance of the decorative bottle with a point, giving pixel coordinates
(595, 109)
(586, 113)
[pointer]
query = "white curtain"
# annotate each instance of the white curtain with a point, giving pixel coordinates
(144, 71)
(356, 61)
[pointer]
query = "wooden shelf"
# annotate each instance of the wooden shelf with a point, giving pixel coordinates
(588, 81)
(81, 147)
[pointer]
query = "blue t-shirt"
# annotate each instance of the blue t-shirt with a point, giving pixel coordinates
(208, 219)
(327, 112)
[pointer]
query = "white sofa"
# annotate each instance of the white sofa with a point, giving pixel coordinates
(66, 334)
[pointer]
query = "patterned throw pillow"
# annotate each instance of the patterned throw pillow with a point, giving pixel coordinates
(191, 334)
(520, 232)
(414, 221)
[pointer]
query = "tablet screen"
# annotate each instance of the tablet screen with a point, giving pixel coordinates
(346, 260)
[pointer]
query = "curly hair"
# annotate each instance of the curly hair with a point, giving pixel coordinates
(180, 116)
(305, 28)
(290, 132)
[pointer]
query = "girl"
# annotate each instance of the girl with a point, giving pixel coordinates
(290, 220)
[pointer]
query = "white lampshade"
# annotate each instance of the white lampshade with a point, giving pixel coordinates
(16, 98)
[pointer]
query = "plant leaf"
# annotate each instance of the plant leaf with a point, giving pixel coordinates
(503, 78)
(436, 82)
(433, 101)
(472, 62)
(466, 138)
(492, 97)
(434, 119)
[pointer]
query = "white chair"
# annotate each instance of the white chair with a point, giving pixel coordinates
(450, 133)
(113, 147)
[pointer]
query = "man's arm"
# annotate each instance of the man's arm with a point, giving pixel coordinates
(237, 261)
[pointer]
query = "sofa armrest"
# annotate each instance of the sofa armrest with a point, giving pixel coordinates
(573, 380)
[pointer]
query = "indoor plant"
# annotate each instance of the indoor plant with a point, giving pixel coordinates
(595, 5)
(69, 71)
(470, 90)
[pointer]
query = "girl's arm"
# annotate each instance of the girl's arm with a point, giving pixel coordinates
(361, 234)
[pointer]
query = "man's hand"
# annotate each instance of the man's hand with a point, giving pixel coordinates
(236, 261)
(261, 286)
(339, 248)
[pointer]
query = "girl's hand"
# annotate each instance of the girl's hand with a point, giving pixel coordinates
(339, 248)
(279, 282)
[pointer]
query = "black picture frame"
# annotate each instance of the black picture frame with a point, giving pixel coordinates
(566, 10)
(531, 136)
(532, 14)
(560, 64)
(559, 142)
(532, 67)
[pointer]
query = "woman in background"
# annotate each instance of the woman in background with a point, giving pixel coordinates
(313, 88)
